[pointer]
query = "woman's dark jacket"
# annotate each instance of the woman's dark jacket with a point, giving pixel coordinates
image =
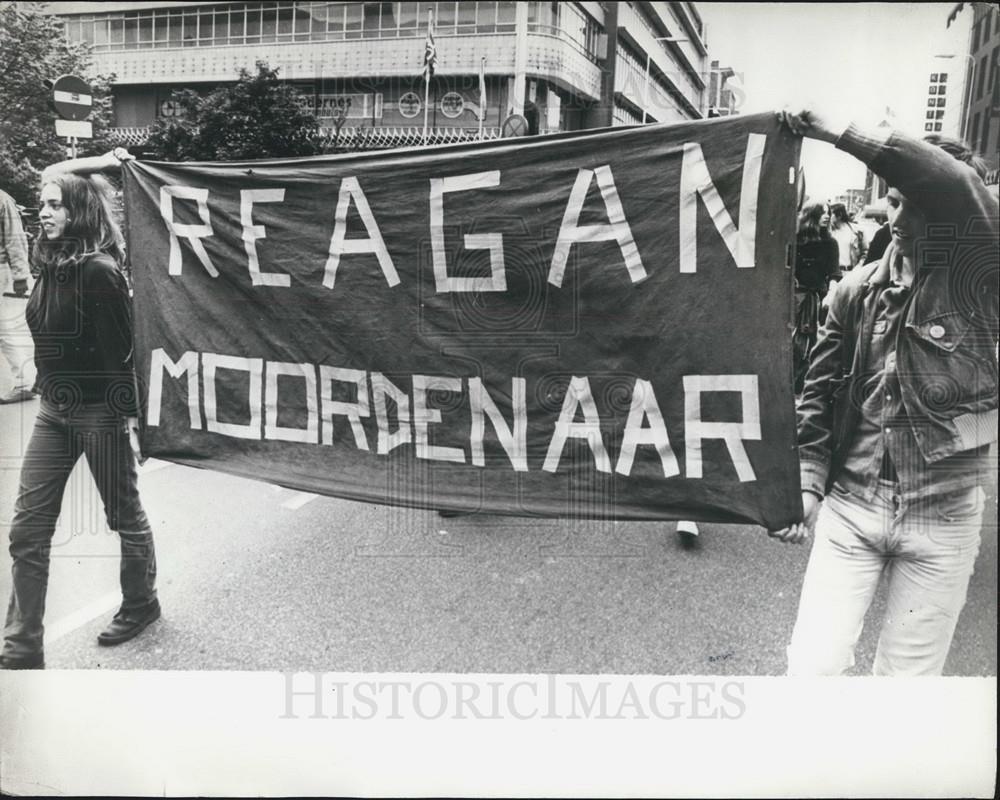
(81, 324)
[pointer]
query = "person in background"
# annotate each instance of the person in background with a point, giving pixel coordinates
(816, 256)
(850, 240)
(880, 241)
(898, 413)
(80, 317)
(14, 275)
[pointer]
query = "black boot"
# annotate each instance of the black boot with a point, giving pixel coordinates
(128, 624)
(137, 576)
(27, 662)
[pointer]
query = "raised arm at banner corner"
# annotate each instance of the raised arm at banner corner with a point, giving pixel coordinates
(89, 165)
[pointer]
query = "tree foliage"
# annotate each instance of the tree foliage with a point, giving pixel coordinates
(257, 117)
(33, 49)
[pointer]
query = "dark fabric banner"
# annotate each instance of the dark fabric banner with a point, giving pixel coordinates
(590, 324)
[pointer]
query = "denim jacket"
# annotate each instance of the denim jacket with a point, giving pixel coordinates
(946, 348)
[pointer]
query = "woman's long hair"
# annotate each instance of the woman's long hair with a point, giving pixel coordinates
(810, 227)
(839, 215)
(90, 229)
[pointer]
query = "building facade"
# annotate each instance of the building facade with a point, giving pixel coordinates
(947, 85)
(981, 116)
(560, 65)
(723, 91)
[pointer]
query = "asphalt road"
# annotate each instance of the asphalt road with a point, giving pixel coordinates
(255, 577)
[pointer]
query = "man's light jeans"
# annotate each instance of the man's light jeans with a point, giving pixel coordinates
(15, 340)
(926, 548)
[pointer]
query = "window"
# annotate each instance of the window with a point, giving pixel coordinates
(931, 102)
(189, 37)
(176, 29)
(220, 27)
(445, 17)
(984, 137)
(266, 21)
(982, 77)
(335, 18)
(486, 17)
(353, 20)
(505, 15)
(543, 17)
(940, 102)
(370, 17)
(253, 26)
(84, 31)
(268, 25)
(160, 30)
(930, 115)
(467, 17)
(388, 18)
(943, 77)
(929, 126)
(408, 15)
(286, 21)
(934, 77)
(145, 32)
(237, 25)
(937, 127)
(302, 20)
(939, 114)
(975, 126)
(933, 90)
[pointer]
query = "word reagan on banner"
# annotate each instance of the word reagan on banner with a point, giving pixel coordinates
(588, 323)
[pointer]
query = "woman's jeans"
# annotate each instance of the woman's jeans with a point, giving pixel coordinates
(59, 437)
(926, 548)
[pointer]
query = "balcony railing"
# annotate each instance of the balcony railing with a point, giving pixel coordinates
(354, 138)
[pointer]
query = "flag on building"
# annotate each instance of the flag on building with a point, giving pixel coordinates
(430, 53)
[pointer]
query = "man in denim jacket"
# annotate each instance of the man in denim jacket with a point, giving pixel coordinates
(898, 414)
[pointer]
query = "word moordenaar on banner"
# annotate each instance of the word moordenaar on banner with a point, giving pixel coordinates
(589, 324)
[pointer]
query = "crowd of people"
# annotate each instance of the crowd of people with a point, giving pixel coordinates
(828, 245)
(891, 477)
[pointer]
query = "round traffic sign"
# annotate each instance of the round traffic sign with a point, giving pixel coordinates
(514, 125)
(72, 97)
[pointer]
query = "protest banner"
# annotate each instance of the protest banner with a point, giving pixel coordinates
(588, 324)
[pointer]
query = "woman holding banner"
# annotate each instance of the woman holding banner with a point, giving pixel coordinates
(79, 314)
(898, 413)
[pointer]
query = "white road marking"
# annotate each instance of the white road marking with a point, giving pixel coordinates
(71, 622)
(298, 500)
